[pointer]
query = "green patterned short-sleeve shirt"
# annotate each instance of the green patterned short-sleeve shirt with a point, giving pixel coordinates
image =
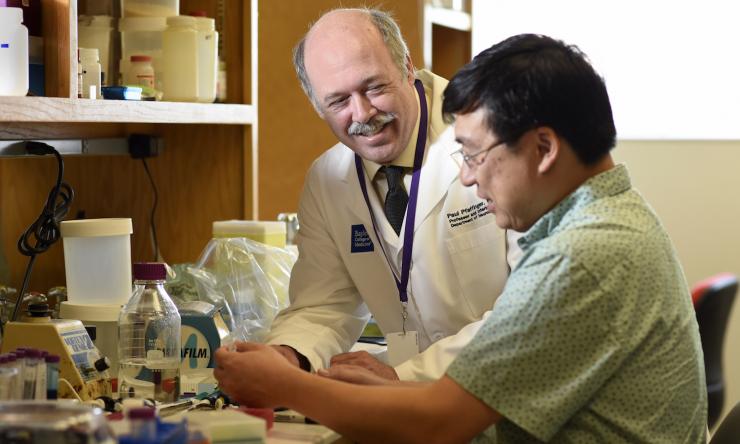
(594, 339)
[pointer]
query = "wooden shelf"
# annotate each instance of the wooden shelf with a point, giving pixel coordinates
(53, 109)
(448, 18)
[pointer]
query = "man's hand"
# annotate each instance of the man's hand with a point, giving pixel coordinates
(354, 374)
(254, 374)
(365, 360)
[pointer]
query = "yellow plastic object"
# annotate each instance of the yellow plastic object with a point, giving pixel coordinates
(68, 339)
(268, 232)
(228, 426)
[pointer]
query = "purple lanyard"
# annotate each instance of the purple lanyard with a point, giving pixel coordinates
(408, 233)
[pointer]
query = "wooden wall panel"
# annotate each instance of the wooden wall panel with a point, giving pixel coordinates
(60, 69)
(198, 176)
(291, 135)
(450, 50)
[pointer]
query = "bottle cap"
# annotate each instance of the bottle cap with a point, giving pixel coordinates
(33, 353)
(102, 364)
(149, 271)
(141, 58)
(52, 358)
(142, 413)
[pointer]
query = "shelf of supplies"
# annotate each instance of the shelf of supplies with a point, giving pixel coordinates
(62, 110)
(449, 18)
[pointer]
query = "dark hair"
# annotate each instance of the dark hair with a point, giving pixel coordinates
(532, 80)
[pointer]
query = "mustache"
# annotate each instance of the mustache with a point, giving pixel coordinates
(371, 127)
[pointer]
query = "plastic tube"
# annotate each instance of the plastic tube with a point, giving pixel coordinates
(29, 373)
(52, 376)
(41, 376)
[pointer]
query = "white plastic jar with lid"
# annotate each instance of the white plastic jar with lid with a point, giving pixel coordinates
(13, 53)
(207, 58)
(140, 71)
(90, 73)
(95, 31)
(180, 60)
(150, 8)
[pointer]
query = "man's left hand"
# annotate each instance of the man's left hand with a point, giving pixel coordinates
(367, 361)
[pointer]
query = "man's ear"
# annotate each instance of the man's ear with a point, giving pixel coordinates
(548, 148)
(411, 75)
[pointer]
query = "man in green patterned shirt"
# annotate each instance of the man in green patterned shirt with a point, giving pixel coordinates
(594, 338)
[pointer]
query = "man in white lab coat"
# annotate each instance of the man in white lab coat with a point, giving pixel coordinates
(427, 272)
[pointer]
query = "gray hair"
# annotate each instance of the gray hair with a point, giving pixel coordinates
(388, 29)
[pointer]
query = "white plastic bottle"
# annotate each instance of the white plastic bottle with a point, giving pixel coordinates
(207, 59)
(180, 60)
(149, 338)
(91, 74)
(13, 53)
(96, 31)
(140, 71)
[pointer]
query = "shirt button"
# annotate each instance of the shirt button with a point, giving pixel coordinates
(438, 336)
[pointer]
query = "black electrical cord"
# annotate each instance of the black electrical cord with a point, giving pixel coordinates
(152, 226)
(45, 230)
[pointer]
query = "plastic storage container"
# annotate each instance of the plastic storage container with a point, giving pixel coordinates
(207, 59)
(268, 232)
(149, 339)
(150, 8)
(97, 260)
(90, 73)
(180, 60)
(142, 36)
(140, 71)
(13, 53)
(95, 31)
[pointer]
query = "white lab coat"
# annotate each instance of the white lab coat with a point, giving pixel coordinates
(458, 264)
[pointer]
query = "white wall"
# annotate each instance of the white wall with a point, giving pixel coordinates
(695, 189)
(669, 65)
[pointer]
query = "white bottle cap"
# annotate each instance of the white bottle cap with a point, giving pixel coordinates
(12, 14)
(89, 55)
(181, 21)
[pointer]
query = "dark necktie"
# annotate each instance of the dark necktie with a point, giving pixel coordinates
(396, 198)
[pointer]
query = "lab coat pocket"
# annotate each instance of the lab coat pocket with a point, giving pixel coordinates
(479, 259)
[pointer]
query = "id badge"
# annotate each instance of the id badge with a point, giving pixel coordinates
(402, 346)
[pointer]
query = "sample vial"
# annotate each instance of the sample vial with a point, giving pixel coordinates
(141, 71)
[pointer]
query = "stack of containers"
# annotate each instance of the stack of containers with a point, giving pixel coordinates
(142, 36)
(96, 31)
(183, 49)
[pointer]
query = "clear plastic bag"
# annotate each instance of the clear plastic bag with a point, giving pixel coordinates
(247, 280)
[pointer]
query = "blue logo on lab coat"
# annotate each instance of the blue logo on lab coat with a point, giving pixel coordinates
(361, 242)
(4, 45)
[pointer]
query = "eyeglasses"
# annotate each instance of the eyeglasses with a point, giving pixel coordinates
(475, 159)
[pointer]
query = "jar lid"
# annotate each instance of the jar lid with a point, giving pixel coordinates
(141, 58)
(88, 55)
(205, 23)
(181, 20)
(96, 227)
(238, 228)
(15, 14)
(141, 413)
(149, 271)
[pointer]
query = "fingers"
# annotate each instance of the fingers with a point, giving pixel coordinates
(352, 358)
(352, 374)
(248, 346)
